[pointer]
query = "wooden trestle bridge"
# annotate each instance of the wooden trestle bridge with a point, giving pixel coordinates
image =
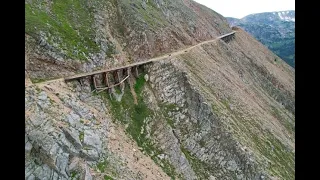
(115, 74)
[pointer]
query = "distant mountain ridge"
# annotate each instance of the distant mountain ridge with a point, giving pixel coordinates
(276, 30)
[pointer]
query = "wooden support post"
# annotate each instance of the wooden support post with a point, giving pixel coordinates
(115, 77)
(107, 82)
(94, 82)
(122, 84)
(128, 71)
(124, 72)
(118, 76)
(136, 71)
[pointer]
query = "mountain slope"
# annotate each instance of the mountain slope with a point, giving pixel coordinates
(72, 36)
(222, 110)
(276, 30)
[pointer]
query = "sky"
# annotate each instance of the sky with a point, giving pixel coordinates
(241, 8)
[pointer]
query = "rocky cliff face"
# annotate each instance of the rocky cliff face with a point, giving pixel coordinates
(276, 30)
(70, 135)
(219, 111)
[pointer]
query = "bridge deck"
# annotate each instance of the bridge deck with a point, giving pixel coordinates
(144, 62)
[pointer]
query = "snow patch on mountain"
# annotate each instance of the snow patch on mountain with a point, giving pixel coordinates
(283, 16)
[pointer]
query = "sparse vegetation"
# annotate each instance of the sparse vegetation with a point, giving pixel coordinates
(106, 177)
(150, 13)
(202, 143)
(66, 25)
(102, 165)
(282, 159)
(264, 144)
(37, 80)
(126, 109)
(168, 168)
(200, 168)
(111, 50)
(135, 116)
(74, 175)
(51, 100)
(81, 136)
(283, 120)
(169, 108)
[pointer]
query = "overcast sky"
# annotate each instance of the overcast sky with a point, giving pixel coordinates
(241, 8)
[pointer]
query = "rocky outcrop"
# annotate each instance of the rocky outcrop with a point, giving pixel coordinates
(68, 133)
(195, 141)
(56, 135)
